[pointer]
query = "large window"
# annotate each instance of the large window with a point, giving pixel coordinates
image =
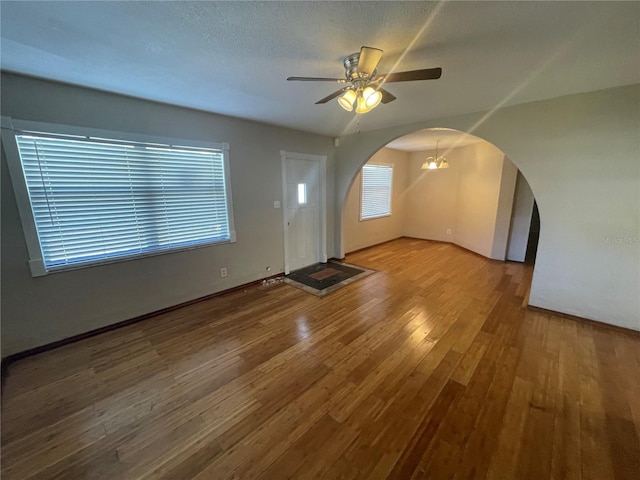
(95, 199)
(376, 191)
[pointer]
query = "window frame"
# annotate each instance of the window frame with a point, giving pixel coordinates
(387, 165)
(11, 127)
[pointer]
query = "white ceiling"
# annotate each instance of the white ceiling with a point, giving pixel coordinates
(430, 138)
(233, 57)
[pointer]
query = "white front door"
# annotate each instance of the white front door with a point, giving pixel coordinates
(303, 181)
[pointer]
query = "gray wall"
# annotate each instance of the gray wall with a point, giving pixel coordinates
(37, 311)
(588, 259)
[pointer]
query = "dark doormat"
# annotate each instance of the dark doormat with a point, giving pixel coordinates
(323, 278)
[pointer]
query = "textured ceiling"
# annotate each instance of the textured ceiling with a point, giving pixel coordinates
(233, 57)
(430, 138)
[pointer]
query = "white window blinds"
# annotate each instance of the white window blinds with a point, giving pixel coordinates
(94, 200)
(376, 191)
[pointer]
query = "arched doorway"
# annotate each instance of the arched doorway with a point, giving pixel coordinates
(557, 145)
(481, 201)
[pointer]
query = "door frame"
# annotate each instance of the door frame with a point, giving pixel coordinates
(322, 178)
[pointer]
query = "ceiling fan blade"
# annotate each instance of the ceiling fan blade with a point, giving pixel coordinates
(333, 95)
(369, 59)
(424, 74)
(316, 79)
(386, 96)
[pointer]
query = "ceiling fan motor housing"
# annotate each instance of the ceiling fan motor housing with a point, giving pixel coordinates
(351, 68)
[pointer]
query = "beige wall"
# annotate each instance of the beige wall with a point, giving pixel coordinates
(520, 221)
(430, 203)
(36, 311)
(482, 196)
(588, 260)
(508, 178)
(472, 198)
(360, 234)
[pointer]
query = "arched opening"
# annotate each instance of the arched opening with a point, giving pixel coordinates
(447, 186)
(558, 147)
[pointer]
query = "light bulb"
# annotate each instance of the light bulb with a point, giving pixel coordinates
(444, 163)
(431, 163)
(346, 100)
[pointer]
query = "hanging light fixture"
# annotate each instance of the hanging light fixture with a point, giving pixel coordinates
(432, 165)
(435, 163)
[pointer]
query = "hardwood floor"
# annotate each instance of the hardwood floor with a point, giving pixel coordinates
(428, 369)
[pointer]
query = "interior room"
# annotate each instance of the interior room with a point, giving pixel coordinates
(394, 240)
(479, 200)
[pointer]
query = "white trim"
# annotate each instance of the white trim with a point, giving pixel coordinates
(285, 203)
(322, 165)
(227, 185)
(323, 212)
(112, 134)
(374, 218)
(21, 194)
(380, 164)
(6, 122)
(36, 263)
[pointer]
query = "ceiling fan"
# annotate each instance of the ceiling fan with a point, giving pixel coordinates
(363, 86)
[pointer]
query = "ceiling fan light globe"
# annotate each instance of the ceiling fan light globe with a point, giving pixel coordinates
(346, 100)
(367, 92)
(372, 97)
(361, 105)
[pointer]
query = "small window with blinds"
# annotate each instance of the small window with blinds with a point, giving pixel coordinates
(97, 200)
(376, 191)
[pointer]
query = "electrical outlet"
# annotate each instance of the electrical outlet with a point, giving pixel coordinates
(223, 272)
(449, 231)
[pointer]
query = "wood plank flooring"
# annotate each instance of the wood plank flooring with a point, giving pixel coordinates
(428, 369)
